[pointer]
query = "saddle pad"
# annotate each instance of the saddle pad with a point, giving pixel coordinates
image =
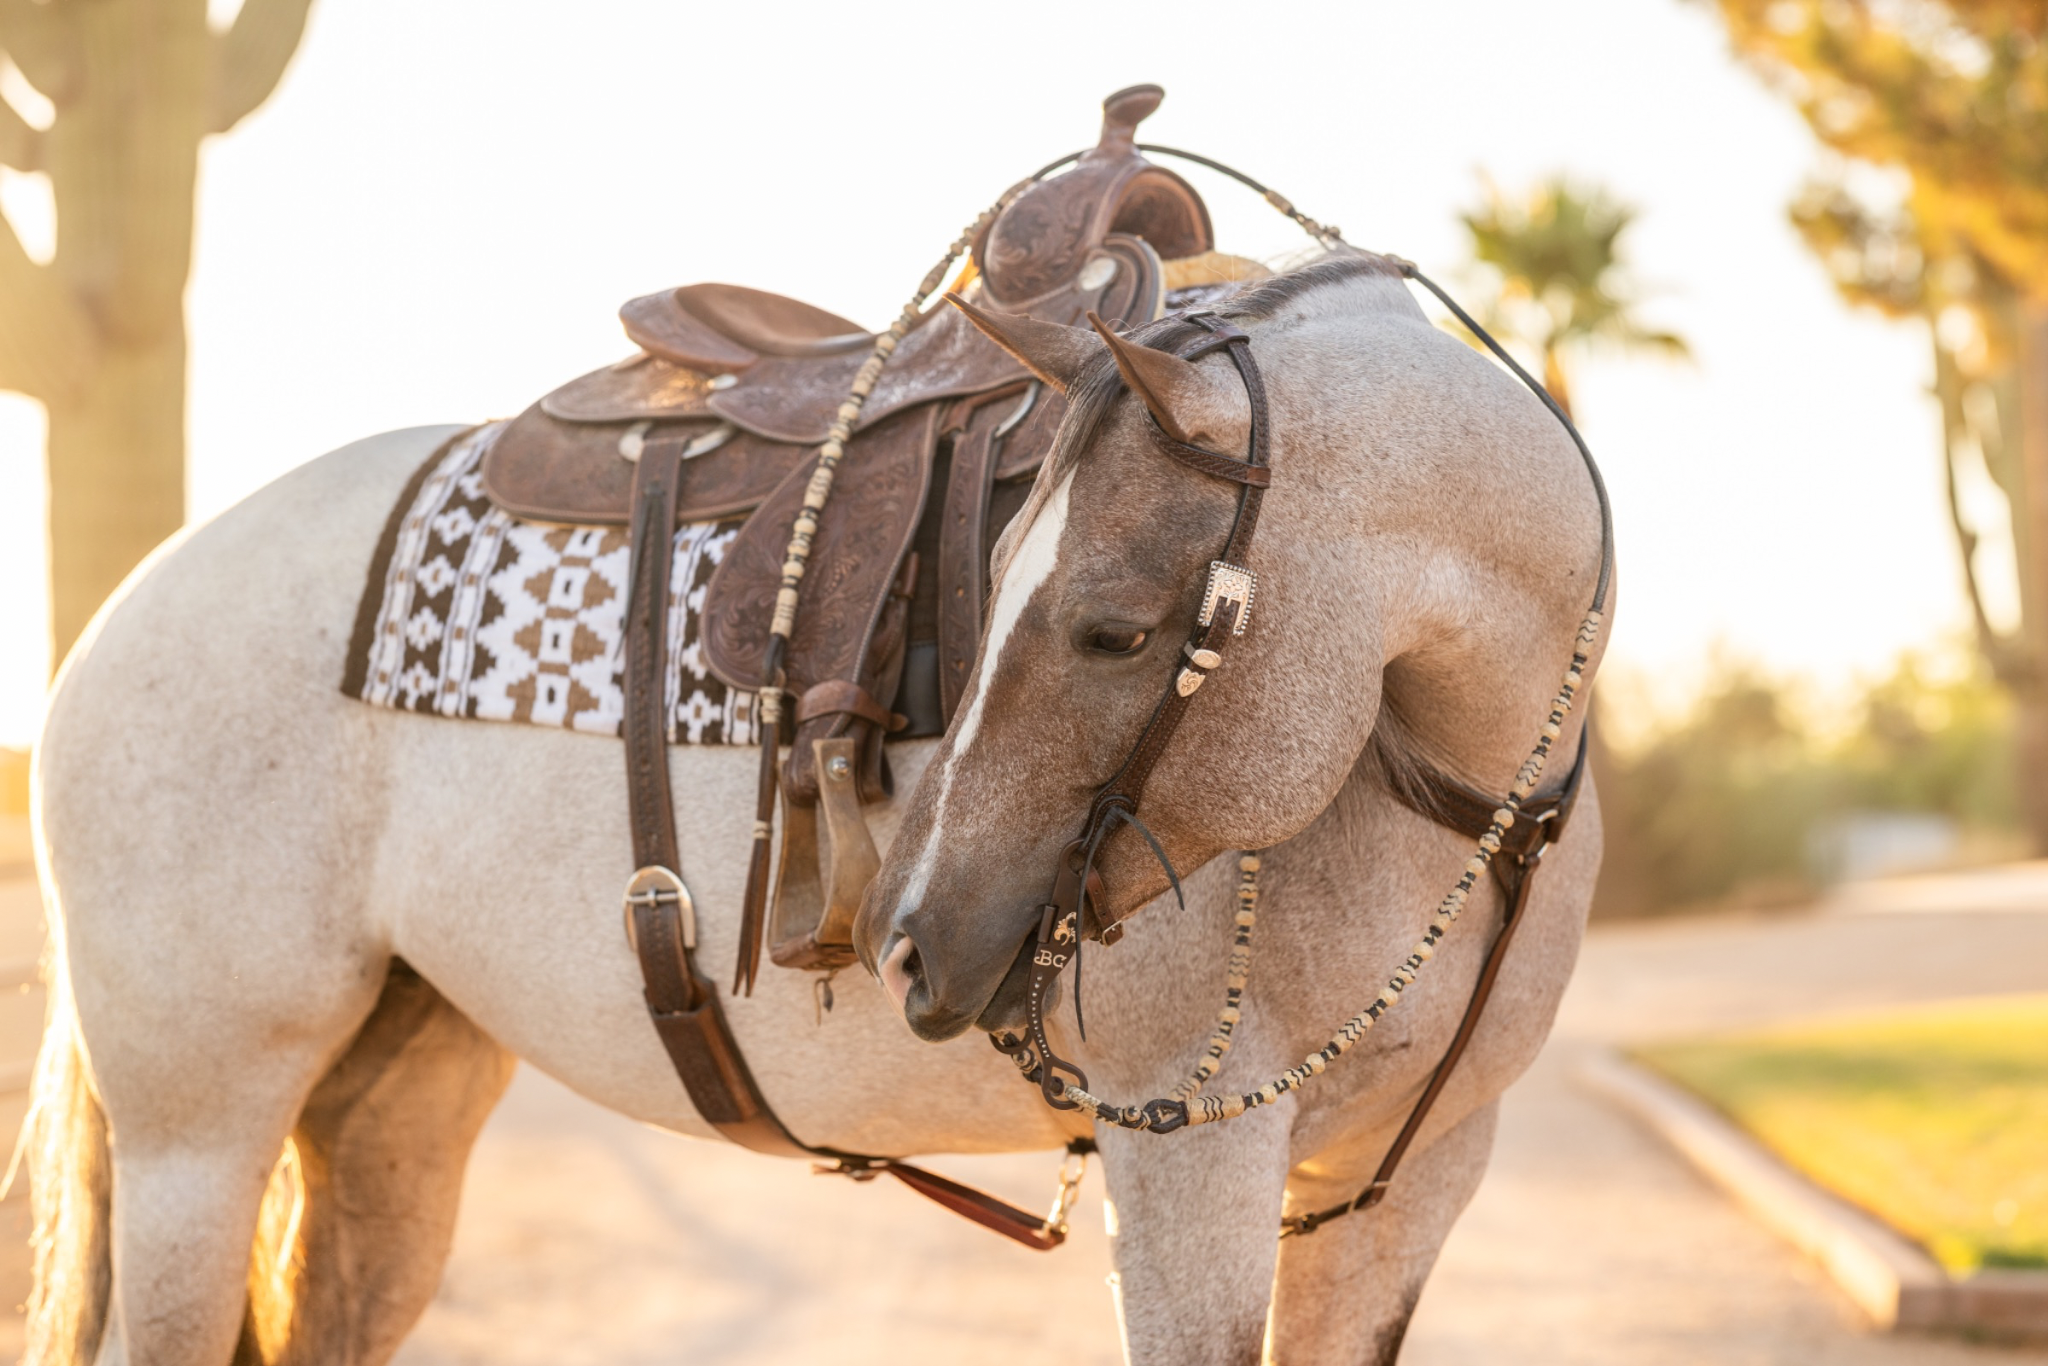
(471, 612)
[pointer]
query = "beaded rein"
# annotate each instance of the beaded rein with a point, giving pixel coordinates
(1185, 1105)
(796, 560)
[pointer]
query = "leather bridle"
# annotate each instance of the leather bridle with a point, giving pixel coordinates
(660, 917)
(1074, 911)
(1223, 616)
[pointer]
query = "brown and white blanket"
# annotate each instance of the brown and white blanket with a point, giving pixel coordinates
(470, 612)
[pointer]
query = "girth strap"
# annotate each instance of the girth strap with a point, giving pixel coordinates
(1539, 824)
(681, 1001)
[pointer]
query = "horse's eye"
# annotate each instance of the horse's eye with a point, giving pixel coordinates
(1113, 639)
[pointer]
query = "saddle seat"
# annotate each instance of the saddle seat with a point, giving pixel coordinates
(719, 329)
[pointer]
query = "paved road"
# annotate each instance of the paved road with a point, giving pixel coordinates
(1591, 1243)
(588, 1239)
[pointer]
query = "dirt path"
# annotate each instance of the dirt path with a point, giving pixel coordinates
(588, 1239)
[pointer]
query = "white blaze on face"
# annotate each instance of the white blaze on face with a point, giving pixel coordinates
(1029, 567)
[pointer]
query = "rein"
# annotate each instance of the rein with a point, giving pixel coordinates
(1511, 834)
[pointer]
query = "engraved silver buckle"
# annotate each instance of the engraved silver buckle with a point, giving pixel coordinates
(652, 886)
(1229, 583)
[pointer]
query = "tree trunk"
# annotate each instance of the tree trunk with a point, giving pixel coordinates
(1554, 380)
(2032, 696)
(116, 474)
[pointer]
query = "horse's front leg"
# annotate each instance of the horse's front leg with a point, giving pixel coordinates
(1194, 1217)
(1345, 1292)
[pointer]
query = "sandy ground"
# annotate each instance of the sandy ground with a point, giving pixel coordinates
(588, 1239)
(585, 1238)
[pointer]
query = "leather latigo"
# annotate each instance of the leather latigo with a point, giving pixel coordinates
(963, 559)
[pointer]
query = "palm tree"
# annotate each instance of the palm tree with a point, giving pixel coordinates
(1562, 283)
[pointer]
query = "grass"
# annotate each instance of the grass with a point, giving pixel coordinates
(1934, 1119)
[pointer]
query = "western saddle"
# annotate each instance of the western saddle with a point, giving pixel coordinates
(736, 388)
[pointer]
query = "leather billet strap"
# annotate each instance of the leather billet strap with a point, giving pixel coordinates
(1537, 826)
(681, 1001)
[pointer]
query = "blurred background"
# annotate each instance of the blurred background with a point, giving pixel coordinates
(1786, 260)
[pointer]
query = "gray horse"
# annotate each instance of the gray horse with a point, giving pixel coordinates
(235, 855)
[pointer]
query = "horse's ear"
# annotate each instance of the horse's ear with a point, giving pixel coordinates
(1053, 353)
(1205, 408)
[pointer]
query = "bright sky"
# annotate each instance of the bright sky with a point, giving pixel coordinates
(435, 217)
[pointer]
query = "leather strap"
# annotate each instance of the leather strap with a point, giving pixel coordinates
(1210, 639)
(1211, 463)
(681, 1001)
(963, 559)
(1069, 915)
(844, 697)
(1539, 824)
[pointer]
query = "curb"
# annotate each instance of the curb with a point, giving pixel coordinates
(1890, 1279)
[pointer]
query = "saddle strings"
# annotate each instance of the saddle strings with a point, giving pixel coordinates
(1185, 1105)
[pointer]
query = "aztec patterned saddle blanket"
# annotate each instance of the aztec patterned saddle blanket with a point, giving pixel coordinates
(473, 612)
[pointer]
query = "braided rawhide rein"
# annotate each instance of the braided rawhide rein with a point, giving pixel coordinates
(1185, 1105)
(796, 559)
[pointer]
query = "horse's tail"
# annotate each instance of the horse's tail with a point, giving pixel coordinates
(64, 1142)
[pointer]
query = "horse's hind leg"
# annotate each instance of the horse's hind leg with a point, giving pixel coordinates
(379, 1151)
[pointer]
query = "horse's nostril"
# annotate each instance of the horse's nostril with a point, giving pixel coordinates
(901, 970)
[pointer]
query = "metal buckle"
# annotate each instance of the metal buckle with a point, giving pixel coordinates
(1229, 583)
(653, 886)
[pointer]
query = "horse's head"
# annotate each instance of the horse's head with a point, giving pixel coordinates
(1098, 583)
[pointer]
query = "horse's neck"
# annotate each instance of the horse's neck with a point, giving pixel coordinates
(1471, 702)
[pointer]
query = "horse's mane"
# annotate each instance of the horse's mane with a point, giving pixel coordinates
(1093, 392)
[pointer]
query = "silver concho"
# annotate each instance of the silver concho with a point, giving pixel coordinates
(1229, 583)
(1099, 271)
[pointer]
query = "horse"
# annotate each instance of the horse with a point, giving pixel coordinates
(297, 943)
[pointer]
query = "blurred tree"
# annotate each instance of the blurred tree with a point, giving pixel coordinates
(98, 334)
(1722, 807)
(1562, 283)
(1950, 97)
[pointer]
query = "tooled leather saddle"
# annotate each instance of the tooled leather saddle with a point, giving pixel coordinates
(734, 389)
